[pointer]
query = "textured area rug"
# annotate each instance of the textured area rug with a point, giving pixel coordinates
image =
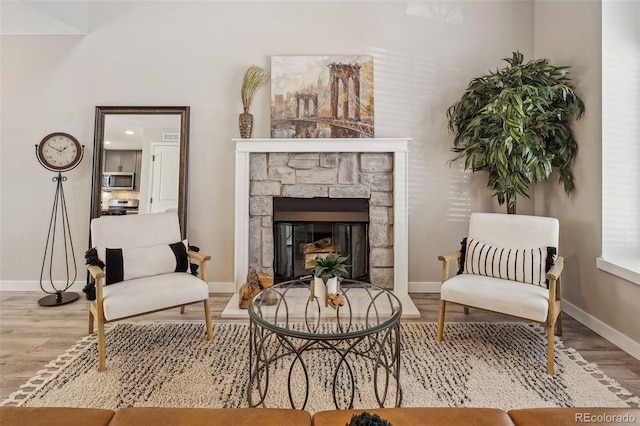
(500, 365)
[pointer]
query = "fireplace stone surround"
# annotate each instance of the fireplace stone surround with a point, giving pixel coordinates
(323, 175)
(372, 168)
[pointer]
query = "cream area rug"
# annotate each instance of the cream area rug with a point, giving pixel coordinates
(500, 365)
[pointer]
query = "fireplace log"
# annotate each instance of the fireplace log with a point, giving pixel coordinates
(323, 245)
(310, 256)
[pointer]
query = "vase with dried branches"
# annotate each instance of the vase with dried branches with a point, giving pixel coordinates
(254, 78)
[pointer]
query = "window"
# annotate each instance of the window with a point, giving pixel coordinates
(621, 139)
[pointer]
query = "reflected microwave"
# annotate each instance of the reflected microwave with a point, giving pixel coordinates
(118, 181)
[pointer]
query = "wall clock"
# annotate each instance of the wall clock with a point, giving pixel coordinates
(59, 152)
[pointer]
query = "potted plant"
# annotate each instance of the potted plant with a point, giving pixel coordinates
(514, 124)
(327, 271)
(254, 78)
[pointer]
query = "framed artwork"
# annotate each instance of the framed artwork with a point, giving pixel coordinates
(322, 97)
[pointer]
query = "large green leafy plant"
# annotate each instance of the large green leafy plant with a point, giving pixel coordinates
(514, 124)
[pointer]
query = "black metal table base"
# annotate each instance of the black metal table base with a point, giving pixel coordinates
(352, 352)
(57, 299)
(380, 351)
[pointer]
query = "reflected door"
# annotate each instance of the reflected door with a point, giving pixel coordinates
(164, 178)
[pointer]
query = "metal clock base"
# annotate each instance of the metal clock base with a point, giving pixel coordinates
(59, 219)
(60, 298)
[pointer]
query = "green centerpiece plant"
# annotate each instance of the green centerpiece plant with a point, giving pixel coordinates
(330, 266)
(327, 272)
(514, 123)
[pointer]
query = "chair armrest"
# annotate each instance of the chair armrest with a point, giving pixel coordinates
(446, 260)
(556, 269)
(96, 277)
(201, 259)
(450, 256)
(96, 272)
(197, 256)
(555, 291)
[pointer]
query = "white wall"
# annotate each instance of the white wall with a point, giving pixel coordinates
(569, 34)
(195, 53)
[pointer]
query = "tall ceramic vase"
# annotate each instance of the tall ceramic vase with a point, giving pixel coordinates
(246, 124)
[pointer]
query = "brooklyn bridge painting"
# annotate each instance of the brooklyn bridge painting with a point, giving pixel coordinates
(322, 97)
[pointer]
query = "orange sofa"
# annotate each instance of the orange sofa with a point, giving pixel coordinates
(427, 416)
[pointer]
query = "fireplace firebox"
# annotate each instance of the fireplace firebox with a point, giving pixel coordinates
(307, 227)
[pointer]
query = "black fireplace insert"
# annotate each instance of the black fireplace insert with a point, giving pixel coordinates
(306, 227)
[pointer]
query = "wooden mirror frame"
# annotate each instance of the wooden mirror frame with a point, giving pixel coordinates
(98, 144)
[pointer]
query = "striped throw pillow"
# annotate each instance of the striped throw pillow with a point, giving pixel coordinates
(527, 265)
(123, 264)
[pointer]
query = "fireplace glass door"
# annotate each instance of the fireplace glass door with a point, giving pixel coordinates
(288, 236)
(298, 242)
(351, 238)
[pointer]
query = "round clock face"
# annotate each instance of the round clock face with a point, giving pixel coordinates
(59, 151)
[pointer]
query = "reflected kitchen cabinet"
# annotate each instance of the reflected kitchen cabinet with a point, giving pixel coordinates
(122, 160)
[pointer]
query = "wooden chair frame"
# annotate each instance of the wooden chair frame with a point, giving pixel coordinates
(553, 322)
(96, 313)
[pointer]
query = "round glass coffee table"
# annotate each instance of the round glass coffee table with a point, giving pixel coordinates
(300, 347)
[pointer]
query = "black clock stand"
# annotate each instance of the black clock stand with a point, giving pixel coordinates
(59, 219)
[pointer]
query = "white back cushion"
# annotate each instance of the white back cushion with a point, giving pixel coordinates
(132, 231)
(514, 230)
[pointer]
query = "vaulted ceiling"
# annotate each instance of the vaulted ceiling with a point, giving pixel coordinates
(44, 17)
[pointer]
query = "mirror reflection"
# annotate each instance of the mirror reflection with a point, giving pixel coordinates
(140, 161)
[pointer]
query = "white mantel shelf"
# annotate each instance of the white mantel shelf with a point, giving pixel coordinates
(323, 145)
(398, 146)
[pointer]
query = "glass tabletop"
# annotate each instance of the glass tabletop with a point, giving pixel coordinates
(288, 308)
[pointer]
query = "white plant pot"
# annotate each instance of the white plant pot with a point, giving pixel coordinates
(319, 287)
(332, 286)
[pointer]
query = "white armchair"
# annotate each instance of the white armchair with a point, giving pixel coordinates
(508, 265)
(147, 270)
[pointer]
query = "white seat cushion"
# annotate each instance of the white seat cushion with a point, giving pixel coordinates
(498, 295)
(148, 294)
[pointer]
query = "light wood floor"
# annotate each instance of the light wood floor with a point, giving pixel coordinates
(31, 335)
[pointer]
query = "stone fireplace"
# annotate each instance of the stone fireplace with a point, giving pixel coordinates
(373, 171)
(321, 176)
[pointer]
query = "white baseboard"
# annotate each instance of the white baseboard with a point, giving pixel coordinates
(221, 287)
(35, 286)
(214, 287)
(424, 287)
(622, 341)
(619, 339)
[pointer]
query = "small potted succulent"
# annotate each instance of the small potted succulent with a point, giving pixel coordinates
(327, 272)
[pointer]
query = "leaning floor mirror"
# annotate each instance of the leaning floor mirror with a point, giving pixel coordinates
(140, 161)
